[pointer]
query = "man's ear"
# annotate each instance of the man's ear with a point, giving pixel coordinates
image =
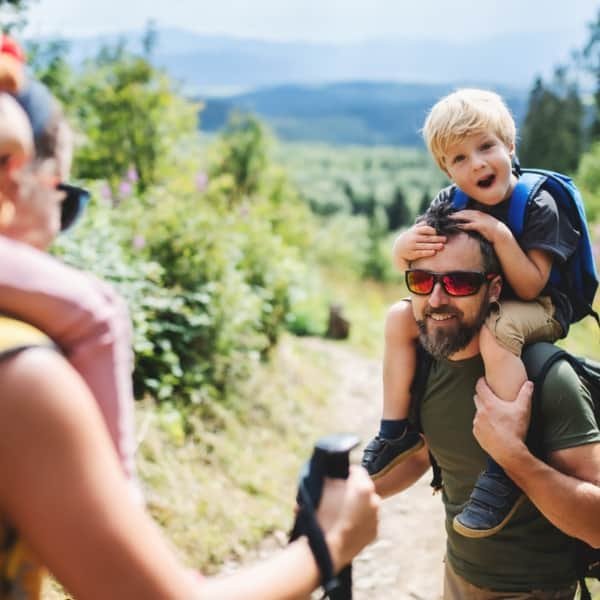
(495, 288)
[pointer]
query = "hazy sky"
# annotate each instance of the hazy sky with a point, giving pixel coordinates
(325, 20)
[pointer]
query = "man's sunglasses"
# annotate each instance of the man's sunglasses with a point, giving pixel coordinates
(455, 283)
(73, 205)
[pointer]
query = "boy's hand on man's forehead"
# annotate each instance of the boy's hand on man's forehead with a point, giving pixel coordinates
(420, 241)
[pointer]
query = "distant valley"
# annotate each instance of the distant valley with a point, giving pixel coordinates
(365, 113)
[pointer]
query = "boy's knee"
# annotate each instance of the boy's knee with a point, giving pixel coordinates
(495, 342)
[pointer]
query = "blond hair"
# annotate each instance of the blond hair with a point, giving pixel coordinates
(463, 113)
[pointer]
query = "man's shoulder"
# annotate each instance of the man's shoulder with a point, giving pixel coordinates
(566, 408)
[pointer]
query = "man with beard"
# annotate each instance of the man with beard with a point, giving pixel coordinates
(534, 555)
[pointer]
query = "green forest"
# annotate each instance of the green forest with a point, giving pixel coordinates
(223, 244)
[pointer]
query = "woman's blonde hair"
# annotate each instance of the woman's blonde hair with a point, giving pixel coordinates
(463, 113)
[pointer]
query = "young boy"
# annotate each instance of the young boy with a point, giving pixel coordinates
(82, 314)
(471, 134)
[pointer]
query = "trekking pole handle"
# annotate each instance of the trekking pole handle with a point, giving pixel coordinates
(330, 458)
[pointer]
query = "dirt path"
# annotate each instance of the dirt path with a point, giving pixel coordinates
(406, 560)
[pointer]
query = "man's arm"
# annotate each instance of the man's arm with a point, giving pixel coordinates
(404, 475)
(566, 491)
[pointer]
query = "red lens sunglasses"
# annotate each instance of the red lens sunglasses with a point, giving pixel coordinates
(455, 283)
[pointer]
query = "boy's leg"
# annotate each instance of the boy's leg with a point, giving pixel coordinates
(495, 497)
(90, 323)
(396, 439)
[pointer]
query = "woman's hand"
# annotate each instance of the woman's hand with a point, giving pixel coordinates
(348, 514)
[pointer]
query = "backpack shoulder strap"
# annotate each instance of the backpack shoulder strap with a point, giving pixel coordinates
(417, 387)
(538, 359)
(528, 185)
(17, 335)
(417, 390)
(459, 199)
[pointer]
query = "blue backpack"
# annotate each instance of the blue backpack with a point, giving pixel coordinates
(578, 274)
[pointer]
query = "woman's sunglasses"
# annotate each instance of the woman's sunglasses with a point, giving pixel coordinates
(73, 205)
(455, 283)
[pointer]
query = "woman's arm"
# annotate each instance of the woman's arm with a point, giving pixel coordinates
(65, 493)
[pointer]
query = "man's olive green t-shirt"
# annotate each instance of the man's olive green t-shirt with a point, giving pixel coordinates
(529, 553)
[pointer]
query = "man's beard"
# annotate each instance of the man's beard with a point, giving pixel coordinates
(445, 341)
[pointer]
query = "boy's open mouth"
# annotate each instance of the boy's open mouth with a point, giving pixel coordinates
(486, 182)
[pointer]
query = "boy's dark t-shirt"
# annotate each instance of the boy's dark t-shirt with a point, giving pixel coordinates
(545, 228)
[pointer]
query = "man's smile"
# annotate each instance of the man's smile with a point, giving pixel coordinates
(441, 316)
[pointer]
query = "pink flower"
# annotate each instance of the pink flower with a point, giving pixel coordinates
(105, 192)
(125, 189)
(138, 241)
(132, 175)
(201, 181)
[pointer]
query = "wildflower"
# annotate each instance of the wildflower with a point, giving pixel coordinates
(138, 241)
(105, 192)
(201, 181)
(132, 175)
(125, 189)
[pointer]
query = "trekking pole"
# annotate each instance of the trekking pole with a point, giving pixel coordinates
(330, 458)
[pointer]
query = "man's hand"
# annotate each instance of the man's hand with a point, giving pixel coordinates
(419, 241)
(501, 426)
(489, 227)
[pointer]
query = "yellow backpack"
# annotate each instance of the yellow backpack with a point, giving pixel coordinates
(20, 573)
(16, 335)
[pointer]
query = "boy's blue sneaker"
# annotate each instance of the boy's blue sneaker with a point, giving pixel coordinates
(382, 454)
(493, 501)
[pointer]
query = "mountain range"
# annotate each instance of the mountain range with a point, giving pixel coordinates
(375, 91)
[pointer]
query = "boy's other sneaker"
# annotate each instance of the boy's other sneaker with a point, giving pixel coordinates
(493, 501)
(382, 454)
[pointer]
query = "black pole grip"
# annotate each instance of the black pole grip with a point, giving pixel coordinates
(330, 458)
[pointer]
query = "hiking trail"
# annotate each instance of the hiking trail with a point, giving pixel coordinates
(405, 562)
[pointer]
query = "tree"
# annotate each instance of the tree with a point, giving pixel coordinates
(591, 62)
(131, 118)
(12, 14)
(397, 211)
(241, 153)
(552, 133)
(424, 203)
(49, 63)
